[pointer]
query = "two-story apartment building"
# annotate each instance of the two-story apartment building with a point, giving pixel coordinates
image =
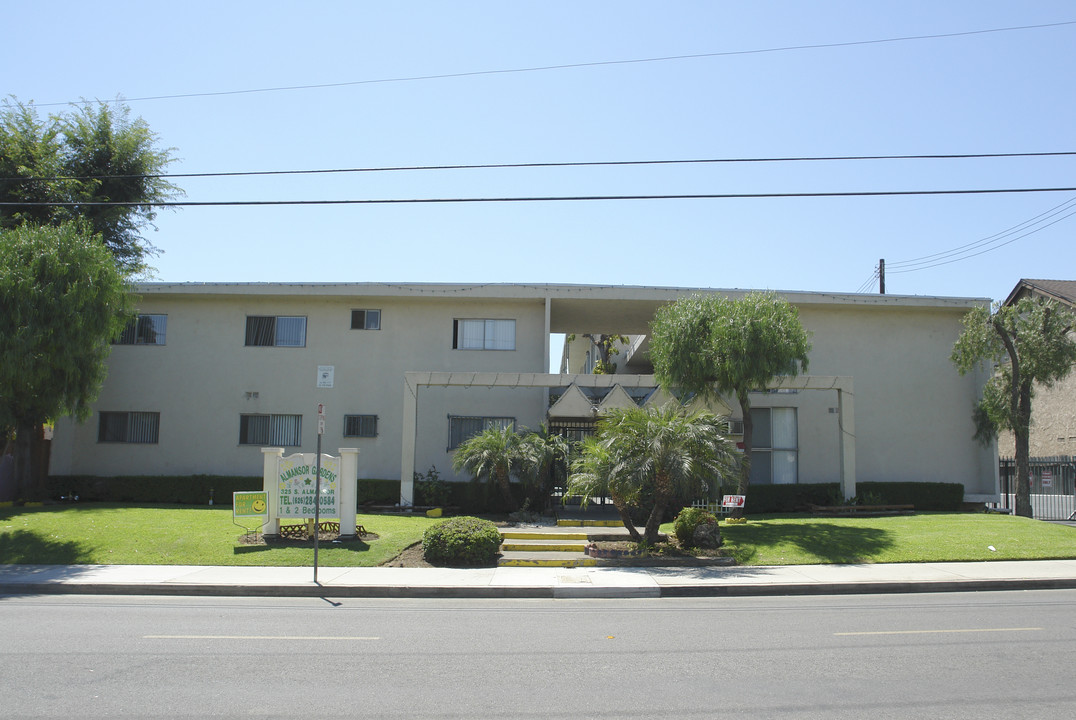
(212, 373)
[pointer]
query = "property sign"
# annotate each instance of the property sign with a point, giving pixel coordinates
(250, 504)
(326, 375)
(297, 487)
(1047, 478)
(733, 501)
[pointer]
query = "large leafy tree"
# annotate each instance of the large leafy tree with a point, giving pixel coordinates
(1031, 342)
(715, 346)
(664, 450)
(64, 167)
(63, 301)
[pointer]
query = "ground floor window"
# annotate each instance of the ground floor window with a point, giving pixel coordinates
(271, 430)
(129, 427)
(774, 447)
(463, 427)
(360, 426)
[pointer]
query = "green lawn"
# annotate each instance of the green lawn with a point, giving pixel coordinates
(924, 537)
(179, 535)
(184, 535)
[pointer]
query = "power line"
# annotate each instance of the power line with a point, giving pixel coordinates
(593, 163)
(990, 239)
(566, 66)
(563, 198)
(991, 249)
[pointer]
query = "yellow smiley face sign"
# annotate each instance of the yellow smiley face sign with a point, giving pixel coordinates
(250, 504)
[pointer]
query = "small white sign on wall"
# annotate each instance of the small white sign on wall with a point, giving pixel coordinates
(325, 375)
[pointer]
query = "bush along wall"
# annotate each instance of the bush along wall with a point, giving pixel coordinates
(923, 495)
(763, 499)
(378, 492)
(166, 489)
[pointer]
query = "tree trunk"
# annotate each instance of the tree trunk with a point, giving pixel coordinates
(505, 486)
(1022, 433)
(748, 439)
(24, 478)
(625, 517)
(653, 523)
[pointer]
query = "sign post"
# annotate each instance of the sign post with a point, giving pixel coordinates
(317, 488)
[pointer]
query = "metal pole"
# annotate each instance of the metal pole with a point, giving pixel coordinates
(317, 506)
(881, 276)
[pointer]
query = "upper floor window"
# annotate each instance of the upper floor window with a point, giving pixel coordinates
(275, 331)
(478, 334)
(144, 330)
(129, 427)
(365, 319)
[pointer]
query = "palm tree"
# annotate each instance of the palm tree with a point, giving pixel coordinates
(543, 464)
(493, 455)
(662, 448)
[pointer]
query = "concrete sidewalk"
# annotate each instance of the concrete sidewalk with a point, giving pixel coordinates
(515, 582)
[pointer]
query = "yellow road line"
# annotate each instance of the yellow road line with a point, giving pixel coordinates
(940, 632)
(254, 637)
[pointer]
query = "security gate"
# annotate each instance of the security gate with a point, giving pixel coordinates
(1053, 486)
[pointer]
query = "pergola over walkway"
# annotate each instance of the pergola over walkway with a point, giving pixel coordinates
(415, 380)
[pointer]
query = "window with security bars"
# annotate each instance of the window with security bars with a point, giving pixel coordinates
(129, 427)
(482, 334)
(144, 330)
(365, 319)
(275, 331)
(360, 426)
(463, 427)
(271, 430)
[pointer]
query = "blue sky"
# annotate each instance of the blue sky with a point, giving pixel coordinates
(999, 92)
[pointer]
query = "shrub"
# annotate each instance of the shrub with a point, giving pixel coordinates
(169, 489)
(370, 491)
(687, 520)
(924, 495)
(790, 498)
(430, 489)
(465, 540)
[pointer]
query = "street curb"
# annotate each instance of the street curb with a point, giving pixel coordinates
(533, 591)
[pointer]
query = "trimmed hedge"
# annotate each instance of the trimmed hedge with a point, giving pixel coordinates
(168, 489)
(924, 495)
(765, 499)
(465, 541)
(378, 492)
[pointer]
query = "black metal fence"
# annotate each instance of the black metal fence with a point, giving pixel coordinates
(1053, 486)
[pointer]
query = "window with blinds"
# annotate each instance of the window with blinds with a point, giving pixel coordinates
(144, 330)
(275, 331)
(271, 430)
(129, 427)
(483, 334)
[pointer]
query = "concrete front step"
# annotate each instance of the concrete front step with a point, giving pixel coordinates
(589, 523)
(551, 534)
(512, 558)
(545, 545)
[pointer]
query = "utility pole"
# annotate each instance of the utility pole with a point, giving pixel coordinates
(881, 276)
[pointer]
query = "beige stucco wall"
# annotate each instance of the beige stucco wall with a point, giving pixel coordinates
(1053, 422)
(199, 381)
(912, 409)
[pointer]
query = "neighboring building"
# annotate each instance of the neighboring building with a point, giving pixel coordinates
(1053, 409)
(212, 373)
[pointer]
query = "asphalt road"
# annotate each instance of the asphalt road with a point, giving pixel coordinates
(960, 655)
